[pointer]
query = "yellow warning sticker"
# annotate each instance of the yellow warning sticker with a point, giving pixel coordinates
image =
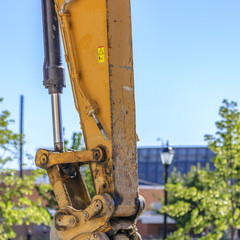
(101, 54)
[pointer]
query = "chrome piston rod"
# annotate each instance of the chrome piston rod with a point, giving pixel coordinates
(57, 122)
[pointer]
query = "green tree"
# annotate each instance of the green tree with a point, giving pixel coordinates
(189, 180)
(212, 203)
(184, 201)
(226, 144)
(16, 208)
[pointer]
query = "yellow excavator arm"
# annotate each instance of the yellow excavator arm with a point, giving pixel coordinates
(97, 40)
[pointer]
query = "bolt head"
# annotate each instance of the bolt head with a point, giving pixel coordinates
(96, 155)
(98, 205)
(44, 159)
(86, 215)
(72, 221)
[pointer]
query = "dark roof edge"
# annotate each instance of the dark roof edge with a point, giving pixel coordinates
(177, 146)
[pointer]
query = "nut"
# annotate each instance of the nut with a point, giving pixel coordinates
(72, 221)
(98, 236)
(96, 155)
(86, 215)
(44, 159)
(98, 205)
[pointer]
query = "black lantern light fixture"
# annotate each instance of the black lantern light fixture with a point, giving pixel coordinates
(167, 155)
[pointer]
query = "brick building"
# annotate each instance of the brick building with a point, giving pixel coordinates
(150, 224)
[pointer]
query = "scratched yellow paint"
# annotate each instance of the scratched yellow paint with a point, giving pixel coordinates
(101, 42)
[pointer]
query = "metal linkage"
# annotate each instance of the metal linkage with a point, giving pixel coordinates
(93, 223)
(46, 158)
(77, 224)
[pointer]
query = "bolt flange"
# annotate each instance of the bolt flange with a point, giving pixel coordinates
(44, 160)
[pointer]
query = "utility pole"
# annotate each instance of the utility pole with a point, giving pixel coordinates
(21, 135)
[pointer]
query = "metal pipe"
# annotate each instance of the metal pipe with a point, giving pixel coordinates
(100, 127)
(57, 122)
(64, 4)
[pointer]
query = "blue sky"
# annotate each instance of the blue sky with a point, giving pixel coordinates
(186, 61)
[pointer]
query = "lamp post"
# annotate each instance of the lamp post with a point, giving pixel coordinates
(29, 234)
(167, 155)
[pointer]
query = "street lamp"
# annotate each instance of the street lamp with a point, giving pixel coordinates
(29, 234)
(167, 155)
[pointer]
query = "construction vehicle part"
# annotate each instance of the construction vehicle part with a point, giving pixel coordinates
(97, 41)
(98, 50)
(46, 158)
(92, 219)
(54, 76)
(57, 122)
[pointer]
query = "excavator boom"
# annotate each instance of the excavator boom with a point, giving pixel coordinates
(97, 40)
